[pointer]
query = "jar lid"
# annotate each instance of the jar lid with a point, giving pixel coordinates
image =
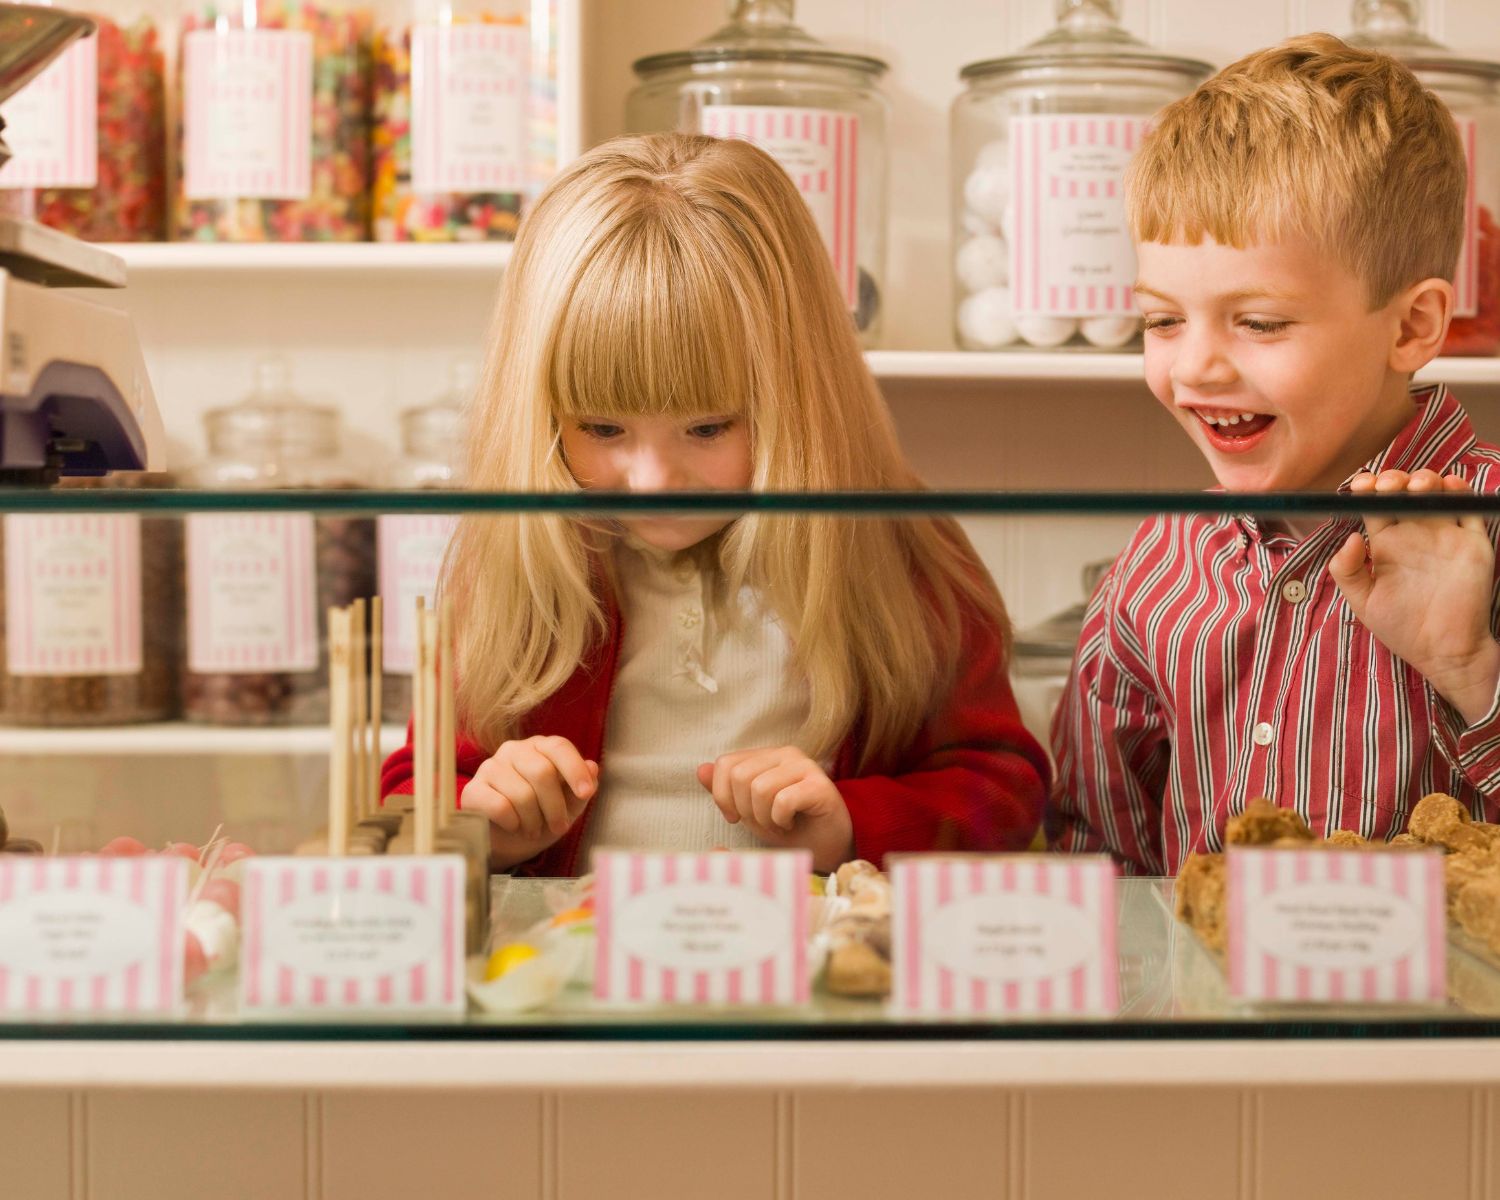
(273, 419)
(1088, 36)
(760, 31)
(432, 430)
(1394, 27)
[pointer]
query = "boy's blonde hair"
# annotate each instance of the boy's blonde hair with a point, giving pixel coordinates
(1317, 139)
(683, 276)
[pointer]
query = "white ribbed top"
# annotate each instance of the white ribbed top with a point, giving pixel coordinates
(690, 686)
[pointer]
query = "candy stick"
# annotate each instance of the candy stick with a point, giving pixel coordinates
(377, 671)
(424, 735)
(359, 687)
(447, 770)
(338, 710)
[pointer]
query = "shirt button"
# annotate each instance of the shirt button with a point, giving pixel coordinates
(683, 572)
(1294, 591)
(689, 618)
(1262, 734)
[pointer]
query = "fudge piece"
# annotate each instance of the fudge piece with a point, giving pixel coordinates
(1200, 898)
(1477, 911)
(1441, 820)
(859, 955)
(1262, 824)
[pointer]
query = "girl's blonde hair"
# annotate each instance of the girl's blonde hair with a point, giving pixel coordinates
(680, 276)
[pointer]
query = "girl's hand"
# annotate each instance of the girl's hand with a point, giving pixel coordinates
(1423, 589)
(532, 791)
(785, 799)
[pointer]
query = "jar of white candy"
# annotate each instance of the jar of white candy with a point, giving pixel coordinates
(1041, 140)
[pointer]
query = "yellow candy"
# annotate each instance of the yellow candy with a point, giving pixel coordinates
(507, 958)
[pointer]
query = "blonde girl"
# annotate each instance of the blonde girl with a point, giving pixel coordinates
(670, 320)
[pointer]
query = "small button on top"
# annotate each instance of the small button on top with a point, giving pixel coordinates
(1294, 591)
(689, 618)
(684, 572)
(1262, 734)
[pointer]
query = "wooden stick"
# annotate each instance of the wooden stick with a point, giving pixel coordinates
(426, 794)
(338, 717)
(360, 726)
(447, 769)
(377, 674)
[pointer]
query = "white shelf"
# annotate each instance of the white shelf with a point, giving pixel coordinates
(970, 366)
(149, 259)
(178, 738)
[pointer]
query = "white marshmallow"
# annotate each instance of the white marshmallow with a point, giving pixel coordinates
(994, 154)
(985, 321)
(1110, 332)
(1007, 221)
(217, 931)
(987, 192)
(1046, 332)
(976, 226)
(982, 262)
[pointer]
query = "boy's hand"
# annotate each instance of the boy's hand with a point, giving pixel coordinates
(532, 791)
(785, 799)
(1424, 590)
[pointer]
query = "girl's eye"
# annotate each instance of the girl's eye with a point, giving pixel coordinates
(709, 431)
(1256, 325)
(1161, 323)
(599, 431)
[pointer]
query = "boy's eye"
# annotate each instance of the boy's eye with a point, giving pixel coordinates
(1156, 323)
(1260, 325)
(709, 430)
(599, 430)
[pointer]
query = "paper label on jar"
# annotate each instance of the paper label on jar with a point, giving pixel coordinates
(411, 555)
(1466, 277)
(1337, 926)
(1070, 248)
(247, 114)
(72, 595)
(819, 149)
(252, 593)
(51, 125)
(468, 107)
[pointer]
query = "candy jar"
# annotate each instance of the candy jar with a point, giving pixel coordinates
(273, 122)
(454, 100)
(412, 545)
(259, 584)
(1471, 90)
(817, 111)
(89, 136)
(1041, 140)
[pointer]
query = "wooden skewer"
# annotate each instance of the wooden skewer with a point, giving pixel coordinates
(447, 769)
(360, 725)
(426, 733)
(377, 672)
(338, 716)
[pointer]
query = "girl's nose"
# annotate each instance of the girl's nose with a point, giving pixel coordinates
(650, 470)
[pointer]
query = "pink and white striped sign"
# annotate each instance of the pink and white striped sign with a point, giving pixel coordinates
(52, 124)
(252, 593)
(1070, 248)
(247, 114)
(1337, 926)
(336, 935)
(81, 936)
(72, 594)
(1466, 278)
(411, 555)
(1004, 935)
(819, 149)
(718, 928)
(469, 86)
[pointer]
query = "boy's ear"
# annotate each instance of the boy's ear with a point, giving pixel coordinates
(1423, 311)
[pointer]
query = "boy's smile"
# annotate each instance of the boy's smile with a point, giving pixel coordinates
(1272, 360)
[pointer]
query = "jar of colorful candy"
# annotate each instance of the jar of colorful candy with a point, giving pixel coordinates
(274, 123)
(89, 136)
(453, 104)
(1041, 140)
(817, 111)
(1471, 90)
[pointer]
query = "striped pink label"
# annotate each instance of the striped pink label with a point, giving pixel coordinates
(252, 594)
(86, 935)
(819, 149)
(1070, 247)
(1333, 926)
(1466, 278)
(411, 555)
(1001, 935)
(341, 934)
(247, 114)
(73, 595)
(52, 124)
(720, 928)
(469, 85)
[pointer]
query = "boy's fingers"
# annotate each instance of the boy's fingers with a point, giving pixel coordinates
(1347, 567)
(1472, 522)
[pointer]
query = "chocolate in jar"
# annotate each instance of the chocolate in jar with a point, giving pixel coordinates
(44, 682)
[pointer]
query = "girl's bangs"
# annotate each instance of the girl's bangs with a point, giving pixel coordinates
(646, 334)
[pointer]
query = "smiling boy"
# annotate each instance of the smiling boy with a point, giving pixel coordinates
(1297, 223)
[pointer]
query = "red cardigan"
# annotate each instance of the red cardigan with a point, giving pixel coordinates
(972, 779)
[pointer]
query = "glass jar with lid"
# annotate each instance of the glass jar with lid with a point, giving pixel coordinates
(818, 111)
(412, 545)
(273, 138)
(1040, 142)
(259, 584)
(454, 100)
(89, 135)
(1471, 90)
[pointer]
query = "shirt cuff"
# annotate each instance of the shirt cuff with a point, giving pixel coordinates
(1475, 749)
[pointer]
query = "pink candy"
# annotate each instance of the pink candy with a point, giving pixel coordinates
(225, 893)
(124, 847)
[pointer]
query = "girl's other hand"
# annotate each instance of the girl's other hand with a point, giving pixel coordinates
(532, 791)
(785, 799)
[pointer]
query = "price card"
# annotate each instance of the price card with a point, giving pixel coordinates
(86, 936)
(1337, 926)
(331, 936)
(1006, 935)
(718, 928)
